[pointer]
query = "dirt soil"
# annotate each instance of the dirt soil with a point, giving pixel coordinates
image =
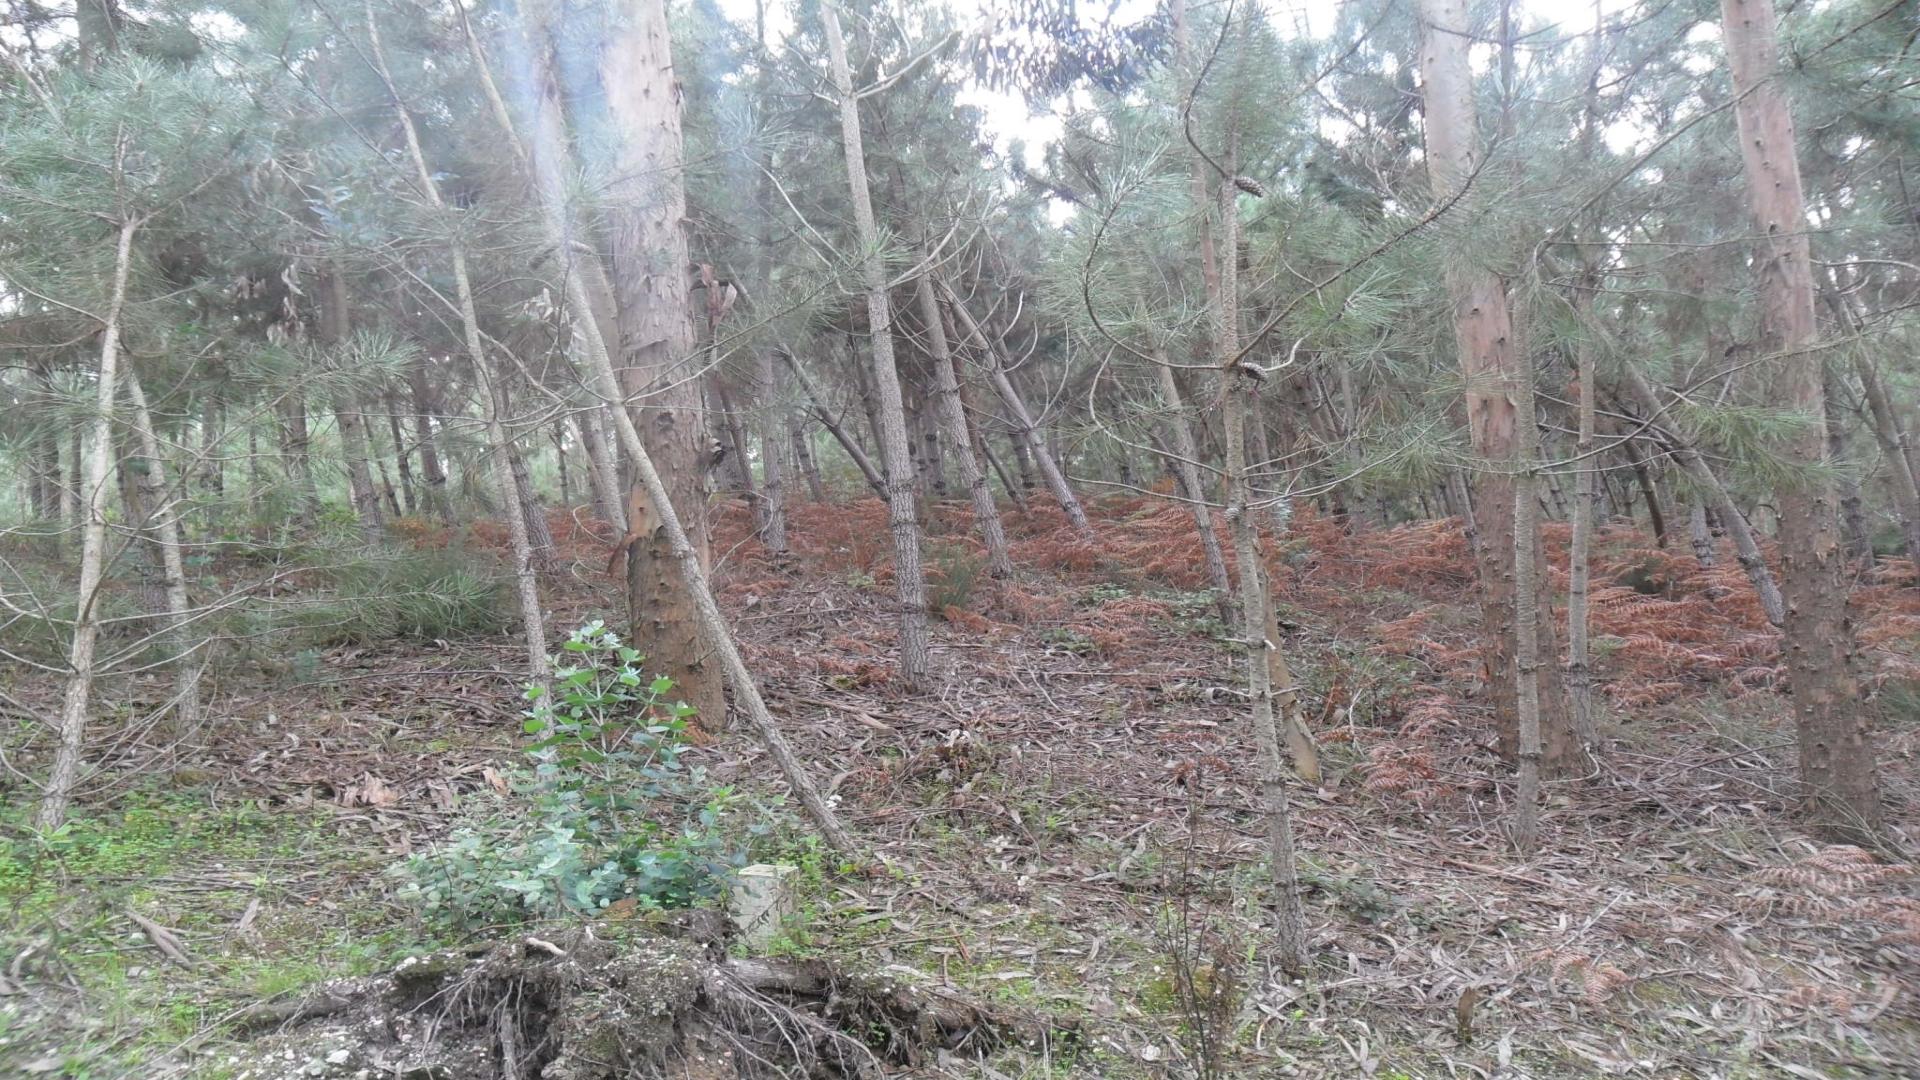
(1066, 825)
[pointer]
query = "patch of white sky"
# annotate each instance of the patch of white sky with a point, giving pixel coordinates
(1007, 118)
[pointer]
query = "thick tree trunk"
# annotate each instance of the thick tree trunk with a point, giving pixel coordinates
(892, 433)
(1491, 362)
(953, 419)
(547, 156)
(525, 576)
(1853, 517)
(1837, 765)
(65, 774)
(656, 355)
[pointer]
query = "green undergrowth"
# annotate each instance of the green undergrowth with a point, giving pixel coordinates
(258, 901)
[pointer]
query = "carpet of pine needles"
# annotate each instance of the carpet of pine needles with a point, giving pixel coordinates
(1069, 811)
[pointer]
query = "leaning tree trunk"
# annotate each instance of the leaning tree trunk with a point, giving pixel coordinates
(953, 420)
(1186, 464)
(1837, 764)
(902, 515)
(547, 156)
(1490, 361)
(525, 575)
(163, 519)
(1027, 432)
(840, 434)
(1746, 544)
(602, 477)
(93, 547)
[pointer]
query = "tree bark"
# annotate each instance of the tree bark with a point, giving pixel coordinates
(1491, 362)
(656, 353)
(1290, 934)
(953, 419)
(402, 459)
(65, 773)
(847, 441)
(1186, 465)
(1586, 504)
(547, 155)
(1745, 544)
(435, 496)
(335, 325)
(1026, 431)
(902, 517)
(163, 521)
(1837, 766)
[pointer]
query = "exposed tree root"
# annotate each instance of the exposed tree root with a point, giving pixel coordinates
(577, 1007)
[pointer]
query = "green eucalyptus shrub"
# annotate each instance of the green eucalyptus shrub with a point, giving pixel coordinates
(617, 816)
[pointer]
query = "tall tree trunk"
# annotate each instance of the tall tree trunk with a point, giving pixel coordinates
(525, 576)
(1853, 518)
(547, 157)
(892, 432)
(67, 757)
(1026, 431)
(602, 477)
(953, 419)
(160, 504)
(1586, 504)
(1837, 765)
(1290, 934)
(1491, 362)
(1528, 590)
(656, 351)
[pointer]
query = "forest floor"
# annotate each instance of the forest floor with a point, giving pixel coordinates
(1067, 820)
